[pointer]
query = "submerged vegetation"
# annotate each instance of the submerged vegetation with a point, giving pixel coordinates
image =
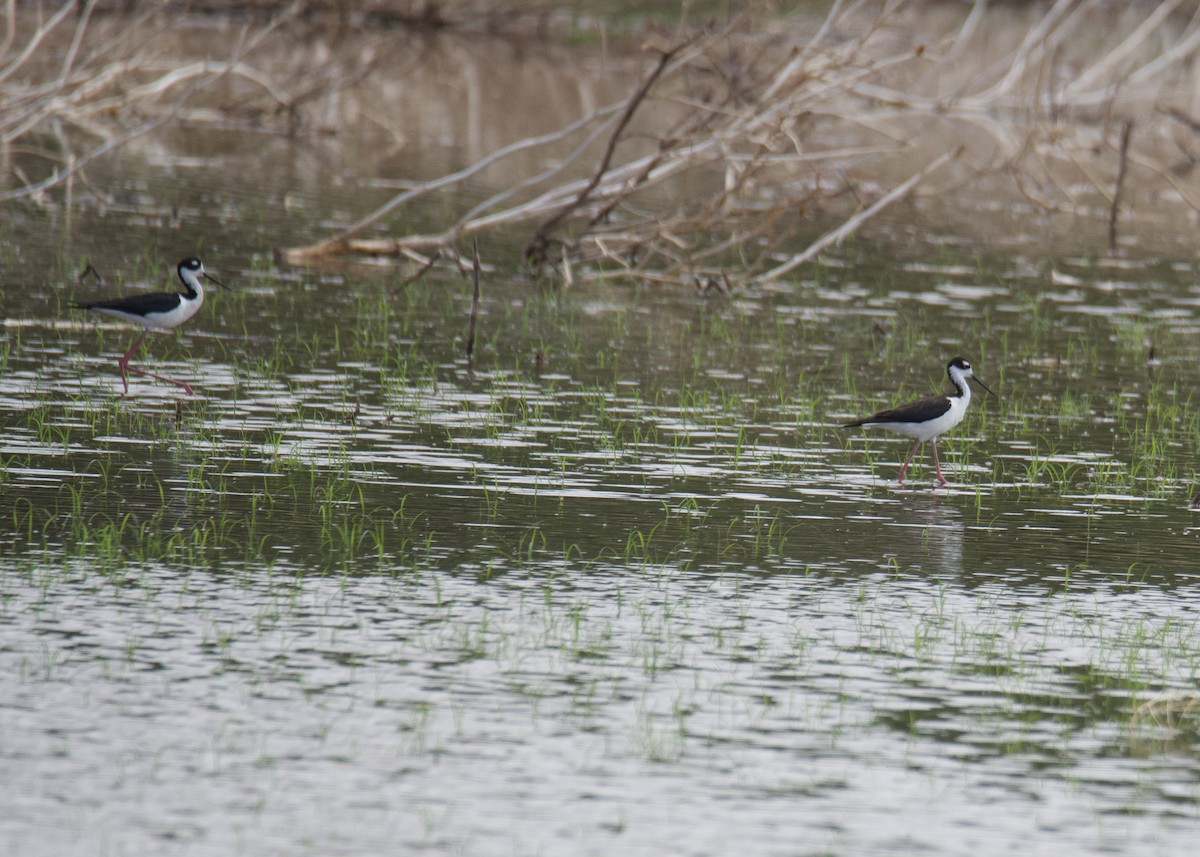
(367, 435)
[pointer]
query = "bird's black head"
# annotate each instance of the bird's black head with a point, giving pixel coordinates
(961, 367)
(195, 268)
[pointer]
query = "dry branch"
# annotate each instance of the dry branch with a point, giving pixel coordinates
(536, 249)
(837, 236)
(778, 136)
(80, 87)
(740, 153)
(474, 306)
(1122, 169)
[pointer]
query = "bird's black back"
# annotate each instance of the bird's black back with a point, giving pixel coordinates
(155, 302)
(920, 411)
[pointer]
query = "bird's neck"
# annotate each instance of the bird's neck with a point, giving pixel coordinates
(964, 389)
(193, 290)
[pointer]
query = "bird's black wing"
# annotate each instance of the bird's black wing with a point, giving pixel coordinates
(920, 411)
(155, 302)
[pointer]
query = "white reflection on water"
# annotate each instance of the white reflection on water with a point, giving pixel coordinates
(587, 711)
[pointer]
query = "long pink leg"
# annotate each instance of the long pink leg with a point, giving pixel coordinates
(937, 465)
(904, 466)
(123, 363)
(186, 386)
(125, 367)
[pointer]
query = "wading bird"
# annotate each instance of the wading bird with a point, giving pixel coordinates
(158, 311)
(929, 418)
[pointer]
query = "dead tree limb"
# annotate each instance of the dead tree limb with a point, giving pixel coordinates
(535, 250)
(752, 134)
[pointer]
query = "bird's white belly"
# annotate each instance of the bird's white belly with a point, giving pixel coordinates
(934, 428)
(177, 316)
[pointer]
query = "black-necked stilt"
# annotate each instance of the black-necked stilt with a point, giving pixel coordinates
(158, 311)
(930, 418)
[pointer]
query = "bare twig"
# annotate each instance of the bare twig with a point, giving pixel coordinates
(343, 242)
(90, 269)
(1122, 165)
(10, 27)
(537, 246)
(836, 236)
(426, 267)
(35, 41)
(474, 306)
(78, 163)
(116, 84)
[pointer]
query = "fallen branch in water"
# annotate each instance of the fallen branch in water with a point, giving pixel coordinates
(82, 85)
(743, 142)
(736, 140)
(536, 249)
(837, 236)
(740, 153)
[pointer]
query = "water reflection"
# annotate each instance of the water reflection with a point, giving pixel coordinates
(780, 694)
(927, 531)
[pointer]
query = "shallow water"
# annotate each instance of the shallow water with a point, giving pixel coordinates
(357, 597)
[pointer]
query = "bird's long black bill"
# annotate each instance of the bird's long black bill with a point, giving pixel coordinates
(213, 279)
(985, 386)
